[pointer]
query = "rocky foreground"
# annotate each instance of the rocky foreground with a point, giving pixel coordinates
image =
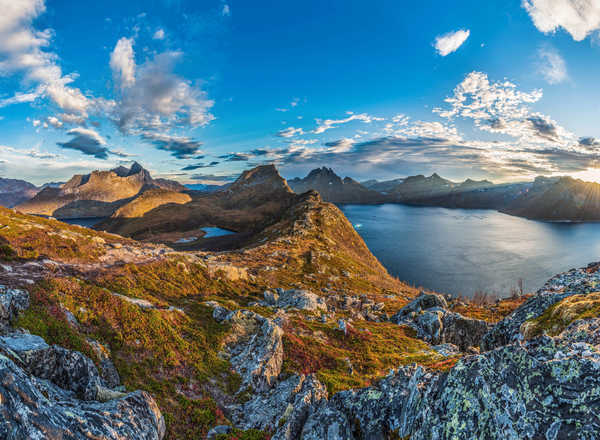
(544, 387)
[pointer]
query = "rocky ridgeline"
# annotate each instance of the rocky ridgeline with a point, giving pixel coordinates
(542, 388)
(51, 392)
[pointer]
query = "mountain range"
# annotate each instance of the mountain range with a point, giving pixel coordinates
(103, 193)
(126, 195)
(546, 198)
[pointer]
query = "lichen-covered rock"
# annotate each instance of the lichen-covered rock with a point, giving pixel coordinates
(12, 302)
(254, 347)
(546, 388)
(108, 371)
(422, 302)
(574, 282)
(36, 409)
(390, 407)
(540, 390)
(462, 331)
(301, 299)
(429, 316)
(285, 407)
(67, 369)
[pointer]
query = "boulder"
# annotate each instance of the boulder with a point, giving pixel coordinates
(302, 300)
(67, 369)
(286, 406)
(254, 347)
(422, 302)
(429, 316)
(12, 302)
(34, 408)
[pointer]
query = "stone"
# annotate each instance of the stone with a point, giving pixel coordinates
(422, 302)
(302, 300)
(254, 348)
(271, 298)
(286, 407)
(218, 430)
(33, 408)
(12, 302)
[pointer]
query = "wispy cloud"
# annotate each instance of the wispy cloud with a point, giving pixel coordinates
(326, 124)
(289, 132)
(552, 66)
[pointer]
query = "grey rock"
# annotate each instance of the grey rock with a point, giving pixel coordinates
(301, 299)
(108, 371)
(422, 302)
(254, 348)
(36, 409)
(270, 297)
(574, 282)
(218, 430)
(428, 315)
(12, 302)
(285, 407)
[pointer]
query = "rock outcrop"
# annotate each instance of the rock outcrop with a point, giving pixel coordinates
(34, 408)
(574, 282)
(51, 392)
(254, 348)
(12, 302)
(546, 388)
(429, 316)
(295, 299)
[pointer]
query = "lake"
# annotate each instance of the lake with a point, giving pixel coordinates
(461, 251)
(89, 222)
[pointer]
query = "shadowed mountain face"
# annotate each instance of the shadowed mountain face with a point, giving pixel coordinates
(98, 194)
(13, 191)
(334, 189)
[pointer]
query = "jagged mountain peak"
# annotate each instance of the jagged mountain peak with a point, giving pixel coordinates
(265, 178)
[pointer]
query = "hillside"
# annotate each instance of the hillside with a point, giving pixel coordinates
(334, 189)
(98, 194)
(299, 333)
(13, 192)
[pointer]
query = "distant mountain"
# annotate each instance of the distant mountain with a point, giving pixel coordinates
(384, 186)
(563, 198)
(98, 194)
(256, 199)
(13, 191)
(334, 189)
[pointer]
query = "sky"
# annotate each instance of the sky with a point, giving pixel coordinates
(198, 91)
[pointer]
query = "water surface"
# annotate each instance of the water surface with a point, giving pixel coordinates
(89, 222)
(461, 251)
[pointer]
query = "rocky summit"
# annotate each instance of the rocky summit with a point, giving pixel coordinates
(287, 329)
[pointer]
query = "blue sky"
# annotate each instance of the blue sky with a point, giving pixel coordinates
(198, 91)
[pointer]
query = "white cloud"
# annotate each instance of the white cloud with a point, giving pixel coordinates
(552, 66)
(450, 42)
(500, 108)
(226, 11)
(289, 132)
(578, 17)
(54, 121)
(159, 34)
(23, 51)
(158, 99)
(324, 125)
(122, 62)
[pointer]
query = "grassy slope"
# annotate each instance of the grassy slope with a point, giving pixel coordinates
(174, 355)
